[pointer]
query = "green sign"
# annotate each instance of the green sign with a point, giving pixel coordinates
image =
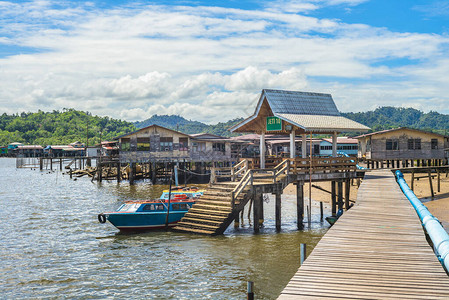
(274, 124)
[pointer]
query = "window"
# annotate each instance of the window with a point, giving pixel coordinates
(183, 144)
(326, 147)
(125, 144)
(414, 144)
(218, 147)
(392, 144)
(166, 143)
(411, 144)
(434, 144)
(180, 206)
(143, 144)
(417, 144)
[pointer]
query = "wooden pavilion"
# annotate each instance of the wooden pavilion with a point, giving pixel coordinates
(296, 113)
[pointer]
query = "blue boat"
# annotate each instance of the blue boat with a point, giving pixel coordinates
(145, 215)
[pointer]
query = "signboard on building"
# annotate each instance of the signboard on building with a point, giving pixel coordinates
(274, 124)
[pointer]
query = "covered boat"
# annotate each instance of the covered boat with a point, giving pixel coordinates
(147, 214)
(152, 214)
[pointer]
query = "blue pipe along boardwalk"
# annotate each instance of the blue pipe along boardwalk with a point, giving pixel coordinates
(376, 250)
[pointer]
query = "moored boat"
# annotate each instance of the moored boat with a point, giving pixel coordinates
(147, 214)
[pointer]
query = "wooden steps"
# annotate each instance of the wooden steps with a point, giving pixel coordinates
(212, 213)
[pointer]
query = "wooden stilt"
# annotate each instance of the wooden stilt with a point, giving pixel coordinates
(261, 212)
(347, 193)
(249, 210)
(300, 204)
(333, 198)
(119, 172)
(278, 211)
(237, 221)
(256, 211)
(340, 195)
(439, 185)
(132, 172)
(100, 172)
(413, 179)
(430, 183)
(321, 211)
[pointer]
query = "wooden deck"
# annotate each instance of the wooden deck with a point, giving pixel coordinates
(376, 250)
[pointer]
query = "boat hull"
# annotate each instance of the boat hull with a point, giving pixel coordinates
(143, 221)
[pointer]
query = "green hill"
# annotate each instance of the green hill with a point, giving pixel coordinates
(388, 117)
(59, 128)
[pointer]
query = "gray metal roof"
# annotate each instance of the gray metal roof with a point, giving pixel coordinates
(301, 103)
(323, 123)
(312, 112)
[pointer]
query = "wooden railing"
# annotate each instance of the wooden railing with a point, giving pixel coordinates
(282, 168)
(258, 174)
(322, 165)
(246, 179)
(238, 169)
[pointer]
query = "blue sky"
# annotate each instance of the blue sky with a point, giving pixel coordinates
(209, 60)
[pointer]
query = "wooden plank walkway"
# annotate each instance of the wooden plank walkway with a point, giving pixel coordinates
(376, 250)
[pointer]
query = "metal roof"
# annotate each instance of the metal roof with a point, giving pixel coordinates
(311, 112)
(301, 103)
(323, 123)
(396, 129)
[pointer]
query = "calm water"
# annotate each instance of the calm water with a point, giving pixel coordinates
(52, 246)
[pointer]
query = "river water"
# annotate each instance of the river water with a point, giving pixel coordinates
(52, 246)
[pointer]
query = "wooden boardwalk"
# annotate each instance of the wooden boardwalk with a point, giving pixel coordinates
(376, 250)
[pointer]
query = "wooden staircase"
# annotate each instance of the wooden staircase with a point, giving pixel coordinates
(212, 213)
(221, 203)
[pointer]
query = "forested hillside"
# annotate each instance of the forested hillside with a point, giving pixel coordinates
(59, 128)
(391, 117)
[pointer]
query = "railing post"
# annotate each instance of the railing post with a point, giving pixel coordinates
(232, 174)
(212, 175)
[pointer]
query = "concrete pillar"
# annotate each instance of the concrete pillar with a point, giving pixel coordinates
(304, 146)
(292, 145)
(334, 144)
(262, 150)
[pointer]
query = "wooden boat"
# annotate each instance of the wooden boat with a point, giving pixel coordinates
(145, 215)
